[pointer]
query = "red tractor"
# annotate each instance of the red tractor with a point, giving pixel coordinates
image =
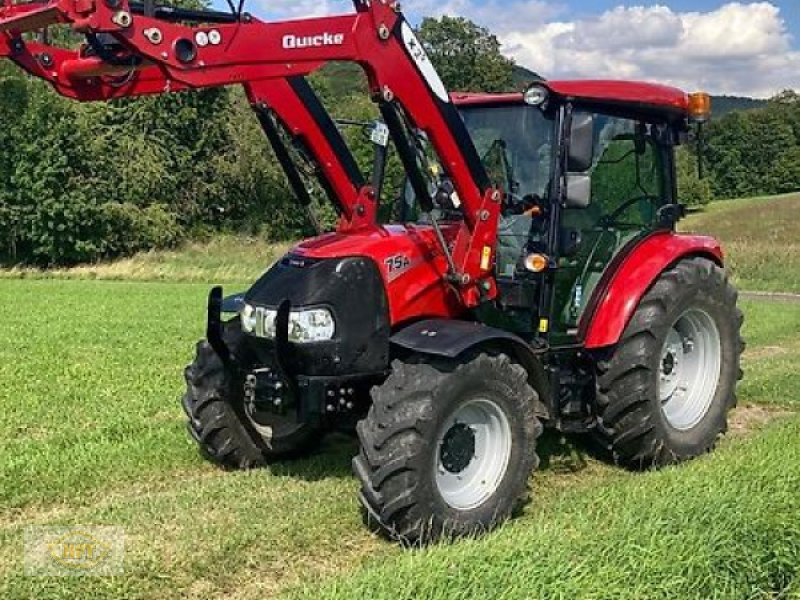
(528, 273)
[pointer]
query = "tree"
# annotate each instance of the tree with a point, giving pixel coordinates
(756, 152)
(466, 55)
(727, 141)
(692, 190)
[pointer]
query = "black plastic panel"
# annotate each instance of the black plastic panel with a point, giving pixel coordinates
(353, 290)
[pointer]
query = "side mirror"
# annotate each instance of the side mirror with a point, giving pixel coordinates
(579, 190)
(581, 143)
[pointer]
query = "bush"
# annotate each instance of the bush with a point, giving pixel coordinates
(82, 182)
(131, 229)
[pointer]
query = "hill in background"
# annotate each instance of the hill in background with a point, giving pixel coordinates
(524, 76)
(722, 105)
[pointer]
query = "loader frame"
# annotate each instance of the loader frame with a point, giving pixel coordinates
(141, 49)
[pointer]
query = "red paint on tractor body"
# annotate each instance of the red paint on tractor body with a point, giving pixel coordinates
(619, 298)
(418, 290)
(262, 57)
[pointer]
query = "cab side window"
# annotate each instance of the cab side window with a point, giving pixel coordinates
(628, 183)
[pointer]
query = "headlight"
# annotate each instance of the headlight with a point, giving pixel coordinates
(316, 325)
(248, 317)
(312, 325)
(536, 95)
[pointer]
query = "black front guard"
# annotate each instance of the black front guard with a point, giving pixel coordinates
(215, 336)
(214, 328)
(315, 397)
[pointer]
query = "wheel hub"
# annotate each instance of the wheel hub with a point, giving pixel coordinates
(668, 364)
(458, 448)
(690, 369)
(472, 454)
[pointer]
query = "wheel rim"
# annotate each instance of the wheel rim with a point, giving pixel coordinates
(689, 369)
(472, 454)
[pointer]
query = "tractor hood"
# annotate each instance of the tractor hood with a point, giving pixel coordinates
(379, 244)
(404, 263)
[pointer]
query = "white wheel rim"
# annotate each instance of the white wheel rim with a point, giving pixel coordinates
(472, 454)
(689, 369)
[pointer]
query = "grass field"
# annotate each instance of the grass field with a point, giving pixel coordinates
(224, 259)
(761, 236)
(762, 240)
(91, 432)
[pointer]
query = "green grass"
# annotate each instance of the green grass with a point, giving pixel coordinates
(722, 527)
(225, 259)
(761, 238)
(91, 433)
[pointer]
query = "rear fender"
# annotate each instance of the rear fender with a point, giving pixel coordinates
(618, 296)
(451, 338)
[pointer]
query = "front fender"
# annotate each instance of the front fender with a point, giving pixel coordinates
(617, 298)
(450, 338)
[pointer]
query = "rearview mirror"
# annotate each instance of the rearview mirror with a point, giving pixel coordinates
(581, 143)
(579, 190)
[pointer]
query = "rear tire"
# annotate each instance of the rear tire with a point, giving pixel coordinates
(665, 394)
(447, 449)
(214, 404)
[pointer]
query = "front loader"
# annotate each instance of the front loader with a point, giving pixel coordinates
(528, 275)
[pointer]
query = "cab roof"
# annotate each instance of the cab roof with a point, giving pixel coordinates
(634, 93)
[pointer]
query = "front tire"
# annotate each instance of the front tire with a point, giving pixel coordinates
(665, 394)
(220, 424)
(447, 448)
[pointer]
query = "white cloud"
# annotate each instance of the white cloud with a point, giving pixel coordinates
(739, 48)
(736, 49)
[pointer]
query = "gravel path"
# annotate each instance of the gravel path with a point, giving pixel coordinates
(778, 296)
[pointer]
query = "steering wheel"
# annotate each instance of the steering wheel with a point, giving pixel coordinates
(610, 220)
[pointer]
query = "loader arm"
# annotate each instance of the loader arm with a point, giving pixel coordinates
(157, 54)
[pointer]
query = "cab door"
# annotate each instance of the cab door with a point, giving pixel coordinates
(631, 178)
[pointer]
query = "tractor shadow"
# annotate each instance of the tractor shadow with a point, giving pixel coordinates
(330, 460)
(558, 454)
(564, 454)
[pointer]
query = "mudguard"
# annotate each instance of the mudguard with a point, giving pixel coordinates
(450, 338)
(618, 296)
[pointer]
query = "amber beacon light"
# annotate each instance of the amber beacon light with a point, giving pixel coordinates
(699, 107)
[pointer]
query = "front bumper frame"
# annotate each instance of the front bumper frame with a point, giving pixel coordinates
(314, 396)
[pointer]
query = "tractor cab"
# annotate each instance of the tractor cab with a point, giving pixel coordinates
(587, 171)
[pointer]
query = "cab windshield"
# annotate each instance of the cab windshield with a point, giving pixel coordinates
(515, 143)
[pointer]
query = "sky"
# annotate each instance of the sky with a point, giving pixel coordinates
(744, 47)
